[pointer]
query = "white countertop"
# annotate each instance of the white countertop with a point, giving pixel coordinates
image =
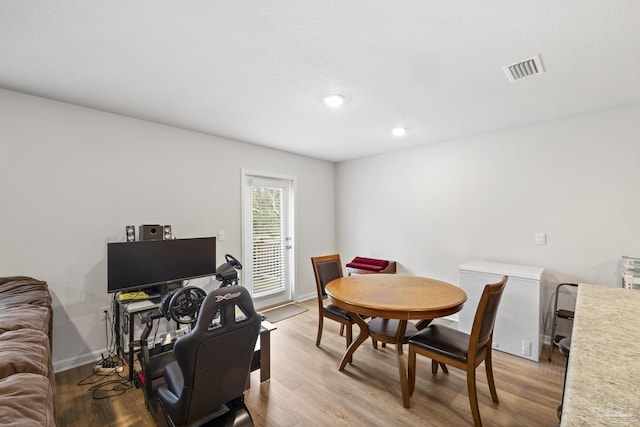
(603, 379)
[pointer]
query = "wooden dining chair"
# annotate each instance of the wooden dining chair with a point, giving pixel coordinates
(325, 269)
(448, 346)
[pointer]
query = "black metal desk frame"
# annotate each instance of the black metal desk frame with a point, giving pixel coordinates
(261, 357)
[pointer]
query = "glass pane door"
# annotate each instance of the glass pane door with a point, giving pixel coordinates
(268, 240)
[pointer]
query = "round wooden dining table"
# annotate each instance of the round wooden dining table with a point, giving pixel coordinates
(393, 296)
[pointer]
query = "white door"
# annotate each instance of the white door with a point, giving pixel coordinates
(268, 240)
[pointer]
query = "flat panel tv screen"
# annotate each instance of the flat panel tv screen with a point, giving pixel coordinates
(143, 264)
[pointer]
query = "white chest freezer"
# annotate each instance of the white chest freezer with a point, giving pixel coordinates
(518, 328)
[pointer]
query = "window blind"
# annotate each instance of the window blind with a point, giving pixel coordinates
(268, 241)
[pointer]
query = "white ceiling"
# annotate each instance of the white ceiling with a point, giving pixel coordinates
(256, 70)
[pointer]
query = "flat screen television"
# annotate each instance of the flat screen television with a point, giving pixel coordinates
(141, 265)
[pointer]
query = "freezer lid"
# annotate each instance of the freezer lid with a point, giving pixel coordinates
(511, 270)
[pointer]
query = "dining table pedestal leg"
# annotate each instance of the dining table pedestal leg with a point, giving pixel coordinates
(402, 367)
(362, 337)
(399, 338)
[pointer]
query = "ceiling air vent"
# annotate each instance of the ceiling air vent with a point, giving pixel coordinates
(527, 68)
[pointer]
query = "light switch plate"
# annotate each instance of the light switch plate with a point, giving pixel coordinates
(541, 238)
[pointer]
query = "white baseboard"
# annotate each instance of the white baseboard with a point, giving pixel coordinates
(306, 297)
(74, 362)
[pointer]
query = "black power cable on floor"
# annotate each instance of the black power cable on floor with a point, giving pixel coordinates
(102, 381)
(102, 387)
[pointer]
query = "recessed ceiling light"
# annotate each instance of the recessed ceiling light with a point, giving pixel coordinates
(398, 131)
(334, 100)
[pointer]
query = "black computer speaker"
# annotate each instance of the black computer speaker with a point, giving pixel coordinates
(167, 234)
(130, 233)
(151, 232)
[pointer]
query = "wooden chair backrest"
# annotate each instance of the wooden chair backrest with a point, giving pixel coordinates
(325, 269)
(485, 318)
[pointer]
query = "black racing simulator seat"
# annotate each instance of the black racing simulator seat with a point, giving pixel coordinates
(205, 384)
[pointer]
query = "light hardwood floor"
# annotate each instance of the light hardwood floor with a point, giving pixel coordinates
(306, 388)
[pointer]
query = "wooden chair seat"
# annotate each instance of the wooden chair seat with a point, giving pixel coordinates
(334, 310)
(384, 330)
(445, 341)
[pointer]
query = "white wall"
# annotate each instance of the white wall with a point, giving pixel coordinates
(485, 197)
(71, 178)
